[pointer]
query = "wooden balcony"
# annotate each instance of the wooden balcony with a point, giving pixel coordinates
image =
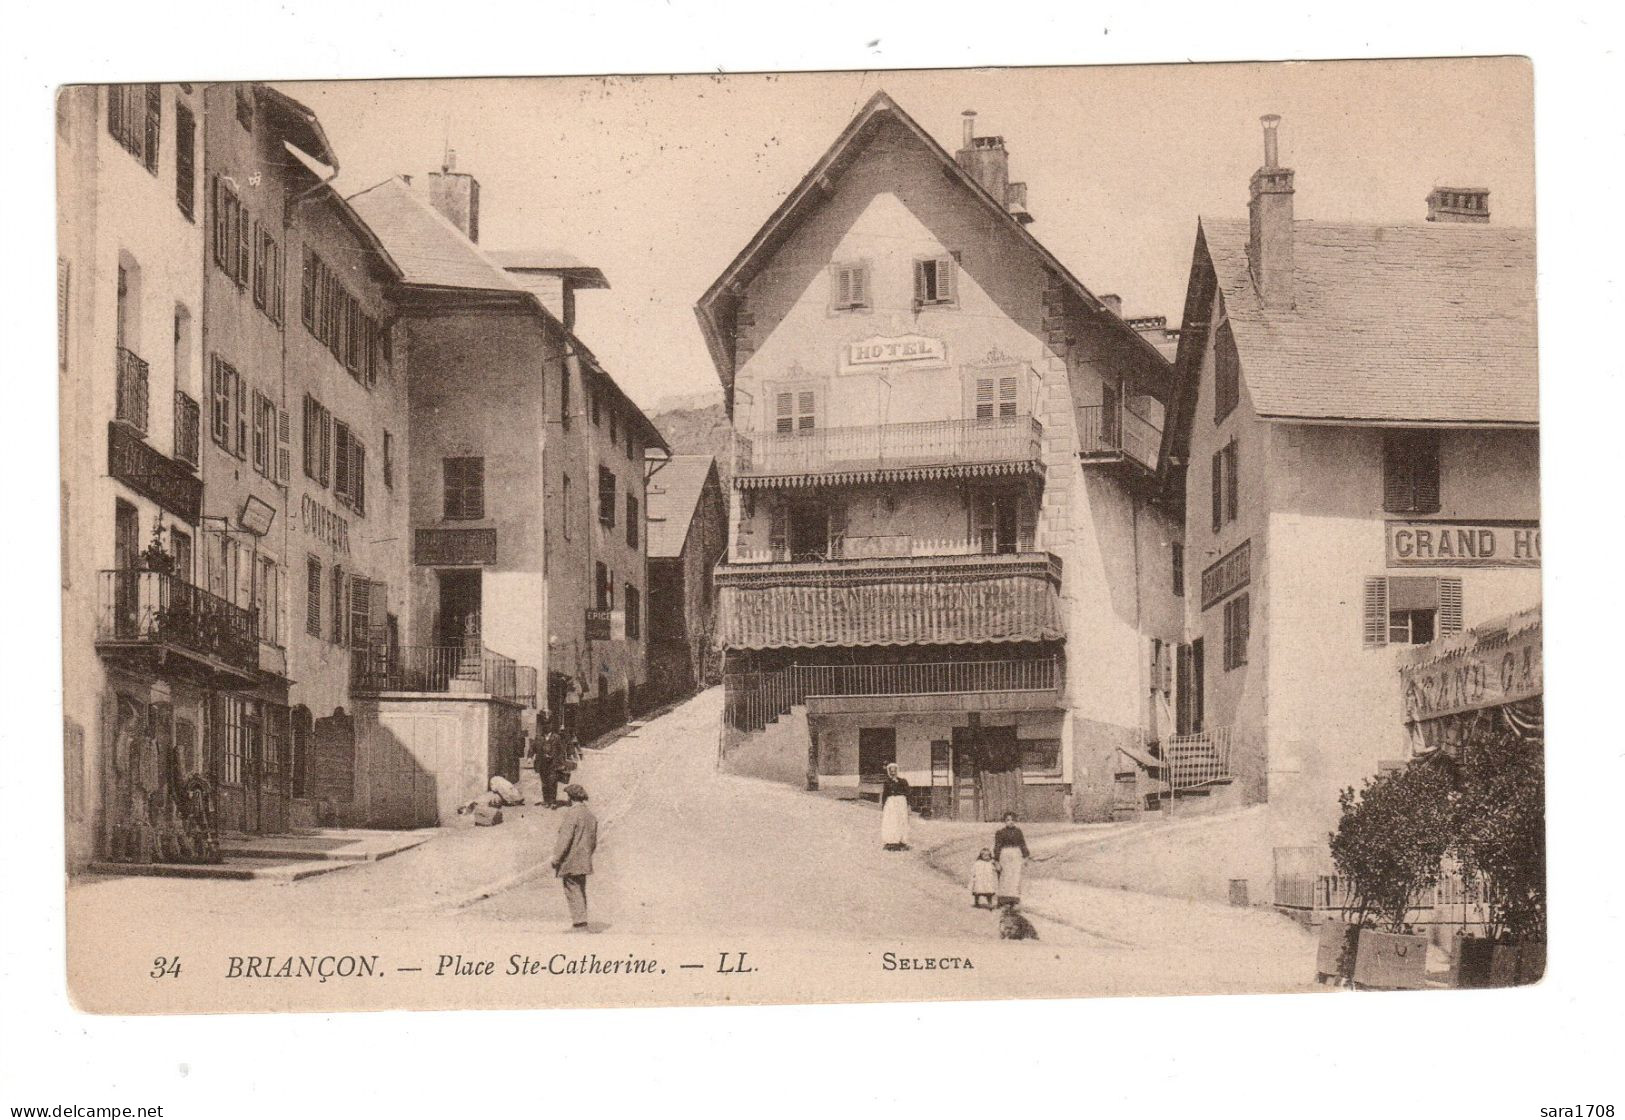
(917, 600)
(1117, 435)
(889, 452)
(152, 618)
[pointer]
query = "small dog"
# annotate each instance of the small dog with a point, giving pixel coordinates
(1013, 926)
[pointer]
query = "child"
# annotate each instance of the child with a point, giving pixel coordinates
(984, 880)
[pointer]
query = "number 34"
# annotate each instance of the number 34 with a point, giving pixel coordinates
(165, 966)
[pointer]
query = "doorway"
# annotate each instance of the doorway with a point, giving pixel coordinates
(877, 748)
(458, 620)
(986, 772)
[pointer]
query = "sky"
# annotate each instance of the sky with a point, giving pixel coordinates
(660, 181)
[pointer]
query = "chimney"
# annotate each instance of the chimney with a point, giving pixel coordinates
(1459, 204)
(1269, 241)
(1114, 303)
(989, 164)
(456, 194)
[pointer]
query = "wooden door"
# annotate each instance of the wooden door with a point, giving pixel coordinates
(1001, 780)
(967, 795)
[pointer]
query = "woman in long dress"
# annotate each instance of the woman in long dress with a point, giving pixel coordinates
(1009, 850)
(894, 810)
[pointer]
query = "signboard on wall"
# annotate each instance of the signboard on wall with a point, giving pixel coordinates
(1491, 673)
(605, 625)
(1464, 544)
(880, 350)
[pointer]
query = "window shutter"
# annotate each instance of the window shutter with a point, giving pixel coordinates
(155, 126)
(984, 524)
(1396, 476)
(948, 280)
(217, 203)
(358, 475)
(1449, 605)
(1007, 396)
(378, 615)
(244, 247)
(805, 409)
(1376, 612)
(341, 460)
(922, 287)
(307, 289)
(1232, 482)
(325, 419)
(1026, 524)
(284, 453)
(786, 421)
(1426, 480)
(843, 287)
(241, 391)
(984, 398)
(1218, 490)
(860, 286)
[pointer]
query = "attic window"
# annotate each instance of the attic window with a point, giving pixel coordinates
(935, 282)
(849, 286)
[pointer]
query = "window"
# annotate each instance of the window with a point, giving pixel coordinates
(1410, 610)
(1226, 486)
(318, 440)
(187, 419)
(606, 497)
(935, 281)
(337, 636)
(268, 601)
(1040, 757)
(633, 454)
(313, 597)
(264, 457)
(634, 607)
(564, 398)
(1003, 523)
(877, 747)
(604, 590)
(795, 410)
(464, 488)
(1226, 373)
(849, 285)
(1178, 552)
(267, 274)
(389, 461)
(349, 468)
(632, 521)
(180, 544)
(232, 233)
(361, 592)
(995, 397)
(1410, 471)
(565, 514)
(185, 160)
(135, 120)
(1237, 622)
(228, 408)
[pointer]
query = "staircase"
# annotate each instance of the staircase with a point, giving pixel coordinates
(1191, 769)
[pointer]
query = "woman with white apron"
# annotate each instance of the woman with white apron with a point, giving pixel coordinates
(894, 810)
(1009, 850)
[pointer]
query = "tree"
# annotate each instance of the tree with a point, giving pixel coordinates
(1391, 838)
(1501, 824)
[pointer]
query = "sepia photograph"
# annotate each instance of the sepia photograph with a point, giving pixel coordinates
(800, 537)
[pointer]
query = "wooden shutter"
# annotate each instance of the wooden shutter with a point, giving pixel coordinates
(860, 286)
(1026, 524)
(245, 249)
(323, 469)
(785, 413)
(313, 597)
(1007, 396)
(1184, 697)
(922, 282)
(284, 452)
(984, 523)
(948, 280)
(1218, 490)
(1375, 611)
(1426, 472)
(1232, 482)
(806, 410)
(341, 460)
(378, 615)
(984, 398)
(358, 475)
(240, 389)
(843, 287)
(1450, 606)
(154, 126)
(307, 289)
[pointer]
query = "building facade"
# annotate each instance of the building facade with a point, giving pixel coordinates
(944, 550)
(688, 537)
(1356, 437)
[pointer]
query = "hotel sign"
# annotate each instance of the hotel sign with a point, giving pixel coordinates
(1484, 676)
(879, 350)
(1464, 544)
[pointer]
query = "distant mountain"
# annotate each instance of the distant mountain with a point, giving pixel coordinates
(696, 424)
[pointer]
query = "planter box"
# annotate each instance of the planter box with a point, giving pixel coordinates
(1334, 955)
(1391, 960)
(1490, 964)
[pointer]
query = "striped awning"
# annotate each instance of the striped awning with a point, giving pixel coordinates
(885, 474)
(998, 608)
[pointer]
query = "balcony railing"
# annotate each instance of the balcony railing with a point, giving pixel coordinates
(1119, 431)
(131, 407)
(1008, 443)
(187, 427)
(159, 608)
(527, 686)
(1198, 760)
(443, 669)
(753, 700)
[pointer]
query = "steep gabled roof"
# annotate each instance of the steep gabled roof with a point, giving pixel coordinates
(1429, 322)
(716, 305)
(673, 496)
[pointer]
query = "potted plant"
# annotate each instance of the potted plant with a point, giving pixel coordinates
(154, 558)
(1389, 843)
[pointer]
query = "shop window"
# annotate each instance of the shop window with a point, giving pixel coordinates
(1041, 758)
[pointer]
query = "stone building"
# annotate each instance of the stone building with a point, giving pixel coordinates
(944, 546)
(145, 649)
(1355, 434)
(527, 462)
(688, 537)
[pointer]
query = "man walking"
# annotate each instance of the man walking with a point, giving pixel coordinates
(572, 854)
(547, 767)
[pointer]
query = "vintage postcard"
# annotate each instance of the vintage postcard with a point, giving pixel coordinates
(788, 538)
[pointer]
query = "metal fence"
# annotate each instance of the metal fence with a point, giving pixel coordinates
(140, 606)
(131, 407)
(1119, 429)
(878, 446)
(1197, 760)
(436, 669)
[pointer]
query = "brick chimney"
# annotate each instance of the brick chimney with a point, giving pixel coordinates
(1114, 303)
(1459, 204)
(988, 162)
(456, 194)
(1269, 241)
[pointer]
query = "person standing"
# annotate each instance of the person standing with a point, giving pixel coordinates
(572, 853)
(894, 810)
(547, 767)
(1009, 850)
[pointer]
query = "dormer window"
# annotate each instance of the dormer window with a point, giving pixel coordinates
(849, 287)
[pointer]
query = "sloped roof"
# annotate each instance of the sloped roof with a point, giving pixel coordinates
(673, 496)
(426, 246)
(547, 259)
(713, 307)
(1429, 322)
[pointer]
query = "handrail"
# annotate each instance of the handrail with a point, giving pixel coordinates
(1119, 430)
(131, 405)
(881, 446)
(143, 606)
(439, 669)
